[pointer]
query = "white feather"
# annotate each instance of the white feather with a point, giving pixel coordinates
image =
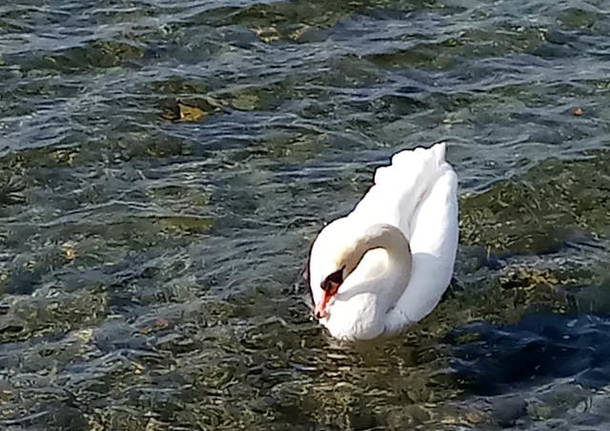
(417, 193)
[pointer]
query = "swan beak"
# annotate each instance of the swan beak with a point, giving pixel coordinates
(329, 286)
(320, 310)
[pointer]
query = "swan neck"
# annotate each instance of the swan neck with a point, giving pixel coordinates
(385, 236)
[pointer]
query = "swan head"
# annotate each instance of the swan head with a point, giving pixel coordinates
(339, 254)
(339, 268)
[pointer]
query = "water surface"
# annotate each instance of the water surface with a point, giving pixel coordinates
(149, 263)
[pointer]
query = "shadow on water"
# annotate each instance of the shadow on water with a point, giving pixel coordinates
(495, 359)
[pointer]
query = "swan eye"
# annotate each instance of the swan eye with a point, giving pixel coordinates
(333, 281)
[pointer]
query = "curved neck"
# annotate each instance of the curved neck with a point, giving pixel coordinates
(392, 240)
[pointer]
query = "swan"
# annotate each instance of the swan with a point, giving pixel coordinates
(387, 263)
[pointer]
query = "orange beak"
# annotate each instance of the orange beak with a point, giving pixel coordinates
(320, 310)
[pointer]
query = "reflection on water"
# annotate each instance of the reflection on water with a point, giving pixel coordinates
(164, 167)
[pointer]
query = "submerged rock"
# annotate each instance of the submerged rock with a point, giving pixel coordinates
(554, 205)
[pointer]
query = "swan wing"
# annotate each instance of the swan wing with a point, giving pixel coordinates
(399, 188)
(433, 245)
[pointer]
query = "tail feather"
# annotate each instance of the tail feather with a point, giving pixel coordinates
(401, 186)
(412, 164)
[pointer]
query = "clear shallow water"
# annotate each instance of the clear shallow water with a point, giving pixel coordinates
(148, 266)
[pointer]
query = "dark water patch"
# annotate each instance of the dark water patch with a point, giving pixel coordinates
(493, 360)
(98, 55)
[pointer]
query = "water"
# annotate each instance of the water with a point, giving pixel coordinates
(149, 268)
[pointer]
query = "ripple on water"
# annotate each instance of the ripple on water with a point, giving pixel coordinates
(149, 261)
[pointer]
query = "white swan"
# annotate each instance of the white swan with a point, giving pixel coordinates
(387, 263)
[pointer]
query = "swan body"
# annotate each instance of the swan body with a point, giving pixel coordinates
(387, 263)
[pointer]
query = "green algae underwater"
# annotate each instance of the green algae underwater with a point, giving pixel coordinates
(164, 168)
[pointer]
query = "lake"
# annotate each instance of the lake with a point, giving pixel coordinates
(164, 167)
